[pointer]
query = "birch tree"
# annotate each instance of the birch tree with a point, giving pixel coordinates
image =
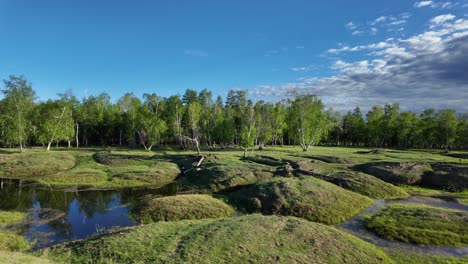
(19, 102)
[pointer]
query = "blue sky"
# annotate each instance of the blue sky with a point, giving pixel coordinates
(348, 52)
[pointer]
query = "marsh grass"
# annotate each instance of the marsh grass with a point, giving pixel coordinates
(419, 224)
(246, 239)
(10, 240)
(11, 217)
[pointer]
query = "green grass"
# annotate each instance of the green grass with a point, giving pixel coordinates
(227, 170)
(21, 258)
(180, 207)
(10, 241)
(396, 172)
(140, 169)
(423, 225)
(418, 258)
(364, 184)
(9, 217)
(246, 239)
(34, 164)
(355, 181)
(305, 197)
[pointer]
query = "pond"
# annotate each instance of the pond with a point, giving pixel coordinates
(57, 215)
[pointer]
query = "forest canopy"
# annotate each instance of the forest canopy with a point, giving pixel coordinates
(198, 119)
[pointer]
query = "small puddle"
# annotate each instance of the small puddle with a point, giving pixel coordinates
(58, 215)
(356, 226)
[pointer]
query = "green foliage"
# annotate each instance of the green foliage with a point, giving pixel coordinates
(305, 197)
(253, 238)
(308, 122)
(180, 207)
(18, 103)
(420, 225)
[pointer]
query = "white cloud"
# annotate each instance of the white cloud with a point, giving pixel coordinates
(441, 19)
(351, 26)
(303, 69)
(420, 71)
(435, 5)
(422, 3)
(378, 20)
(357, 32)
(196, 53)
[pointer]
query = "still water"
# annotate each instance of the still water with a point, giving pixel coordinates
(57, 215)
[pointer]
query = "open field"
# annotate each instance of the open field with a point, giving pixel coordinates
(326, 185)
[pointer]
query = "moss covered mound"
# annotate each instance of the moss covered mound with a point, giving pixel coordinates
(35, 164)
(304, 197)
(420, 225)
(120, 157)
(364, 184)
(396, 172)
(179, 207)
(225, 173)
(246, 239)
(158, 174)
(447, 176)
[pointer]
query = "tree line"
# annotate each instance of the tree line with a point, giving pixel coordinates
(197, 119)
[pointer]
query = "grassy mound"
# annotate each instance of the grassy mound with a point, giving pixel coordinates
(306, 197)
(246, 239)
(227, 172)
(138, 170)
(420, 225)
(159, 173)
(35, 164)
(120, 157)
(7, 218)
(447, 176)
(396, 172)
(364, 184)
(191, 206)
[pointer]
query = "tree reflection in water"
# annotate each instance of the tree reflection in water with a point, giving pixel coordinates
(58, 215)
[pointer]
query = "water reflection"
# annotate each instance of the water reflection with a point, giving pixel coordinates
(58, 215)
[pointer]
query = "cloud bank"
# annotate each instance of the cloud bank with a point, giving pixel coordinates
(425, 70)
